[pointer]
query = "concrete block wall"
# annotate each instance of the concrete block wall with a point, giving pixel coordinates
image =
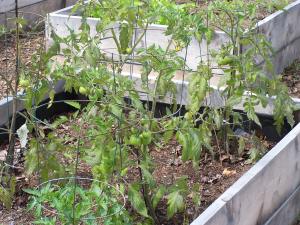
(33, 11)
(282, 29)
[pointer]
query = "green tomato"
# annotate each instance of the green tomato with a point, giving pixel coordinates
(134, 140)
(225, 61)
(124, 171)
(188, 116)
(145, 121)
(146, 137)
(24, 83)
(83, 91)
(134, 130)
(128, 50)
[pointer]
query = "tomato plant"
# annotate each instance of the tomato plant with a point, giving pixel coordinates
(121, 129)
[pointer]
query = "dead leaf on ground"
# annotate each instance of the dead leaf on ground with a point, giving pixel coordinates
(3, 155)
(228, 172)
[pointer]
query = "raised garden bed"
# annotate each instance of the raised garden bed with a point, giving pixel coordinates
(269, 185)
(291, 76)
(271, 27)
(286, 47)
(281, 22)
(30, 44)
(215, 177)
(241, 202)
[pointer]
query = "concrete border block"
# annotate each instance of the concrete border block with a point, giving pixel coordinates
(7, 103)
(282, 30)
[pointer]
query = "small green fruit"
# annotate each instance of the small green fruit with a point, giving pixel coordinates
(24, 83)
(83, 91)
(128, 50)
(134, 130)
(225, 61)
(188, 116)
(134, 140)
(146, 137)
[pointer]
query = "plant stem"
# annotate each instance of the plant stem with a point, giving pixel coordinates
(157, 83)
(12, 136)
(75, 178)
(235, 43)
(145, 189)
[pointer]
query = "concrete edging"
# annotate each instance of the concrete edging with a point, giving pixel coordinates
(7, 103)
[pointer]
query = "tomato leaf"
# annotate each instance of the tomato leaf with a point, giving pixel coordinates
(158, 195)
(136, 200)
(175, 203)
